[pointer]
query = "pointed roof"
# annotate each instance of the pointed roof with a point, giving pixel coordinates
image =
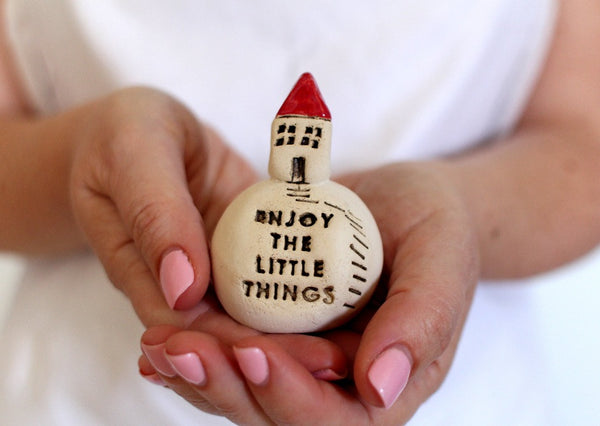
(305, 99)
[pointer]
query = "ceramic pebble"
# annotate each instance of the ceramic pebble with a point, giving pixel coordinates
(297, 253)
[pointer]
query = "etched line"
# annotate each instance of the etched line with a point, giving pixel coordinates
(354, 216)
(298, 195)
(355, 291)
(304, 200)
(362, 243)
(298, 189)
(346, 305)
(358, 265)
(359, 278)
(357, 229)
(335, 207)
(354, 221)
(362, 256)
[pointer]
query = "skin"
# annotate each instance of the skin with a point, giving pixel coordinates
(496, 212)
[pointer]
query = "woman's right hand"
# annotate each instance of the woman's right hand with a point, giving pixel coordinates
(148, 183)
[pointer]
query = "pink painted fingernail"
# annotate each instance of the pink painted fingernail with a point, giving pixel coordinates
(389, 374)
(188, 367)
(253, 363)
(157, 357)
(176, 275)
(328, 375)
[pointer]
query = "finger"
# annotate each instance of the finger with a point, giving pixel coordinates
(154, 354)
(159, 213)
(148, 372)
(430, 289)
(203, 371)
(288, 393)
(324, 358)
(347, 341)
(195, 365)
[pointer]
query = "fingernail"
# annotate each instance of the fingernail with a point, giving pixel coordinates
(328, 375)
(188, 367)
(154, 378)
(176, 275)
(253, 363)
(389, 374)
(157, 357)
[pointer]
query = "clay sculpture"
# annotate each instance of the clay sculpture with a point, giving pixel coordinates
(297, 252)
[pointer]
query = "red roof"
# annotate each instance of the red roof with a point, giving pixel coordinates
(305, 99)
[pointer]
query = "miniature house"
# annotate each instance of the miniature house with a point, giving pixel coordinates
(301, 136)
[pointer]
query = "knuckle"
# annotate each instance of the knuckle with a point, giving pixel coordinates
(119, 150)
(440, 320)
(120, 266)
(149, 222)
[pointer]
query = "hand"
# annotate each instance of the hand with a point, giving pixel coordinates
(398, 350)
(147, 185)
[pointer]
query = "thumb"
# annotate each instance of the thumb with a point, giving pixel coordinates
(131, 197)
(145, 228)
(407, 347)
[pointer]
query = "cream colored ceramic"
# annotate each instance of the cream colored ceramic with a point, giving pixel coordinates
(297, 252)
